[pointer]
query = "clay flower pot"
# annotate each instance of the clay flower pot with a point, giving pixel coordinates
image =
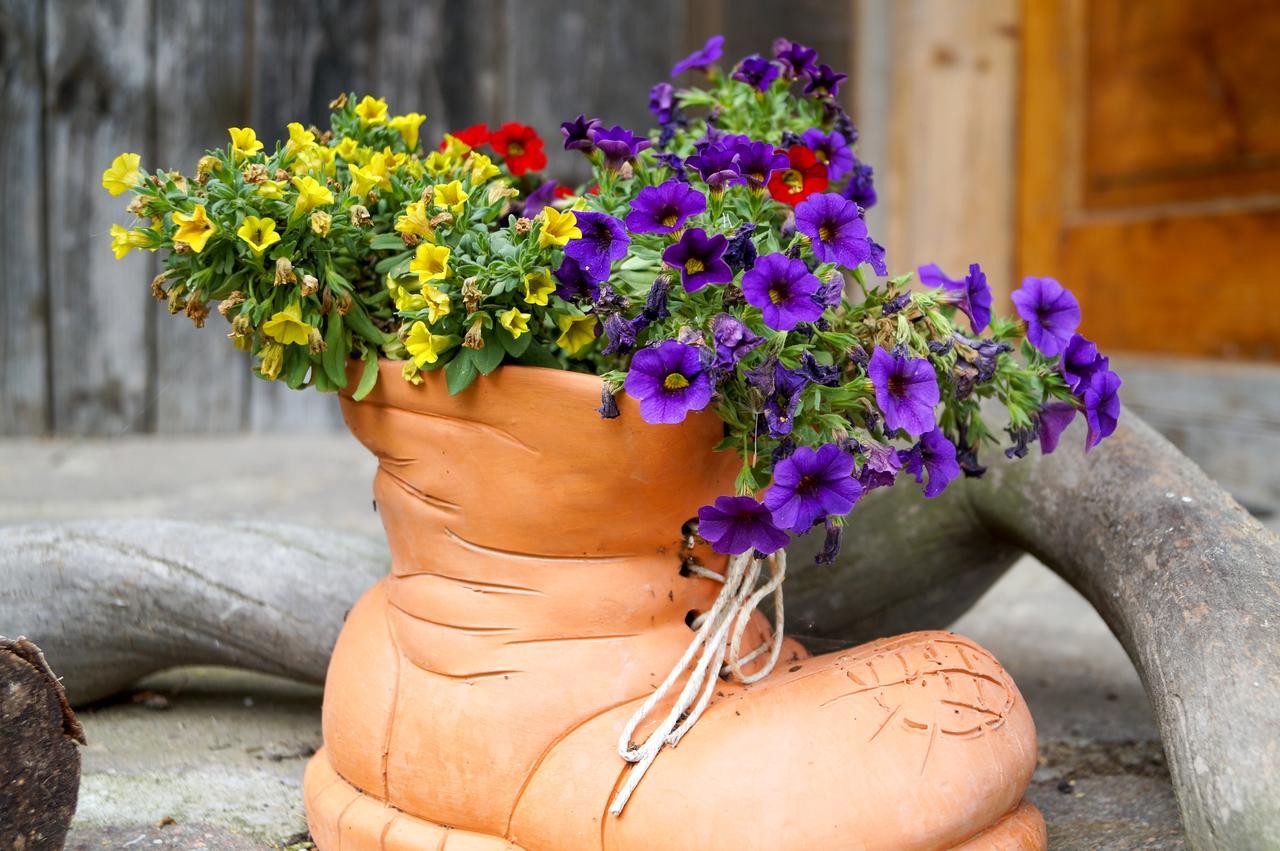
(476, 695)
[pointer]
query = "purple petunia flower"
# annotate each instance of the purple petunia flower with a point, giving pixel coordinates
(934, 455)
(577, 134)
(603, 240)
(1101, 407)
(669, 381)
(783, 289)
(796, 59)
(861, 188)
(665, 208)
(810, 485)
(757, 161)
(717, 166)
(880, 470)
(1051, 312)
(877, 261)
(539, 198)
(675, 164)
(781, 389)
(1054, 419)
(832, 151)
(757, 72)
(733, 339)
(618, 144)
(836, 228)
(735, 524)
(662, 102)
(906, 391)
(824, 81)
(573, 283)
(700, 259)
(971, 293)
(702, 58)
(1081, 360)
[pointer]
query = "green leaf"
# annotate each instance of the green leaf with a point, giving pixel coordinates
(337, 347)
(514, 347)
(369, 376)
(387, 242)
(539, 356)
(360, 323)
(460, 372)
(488, 358)
(296, 365)
(397, 265)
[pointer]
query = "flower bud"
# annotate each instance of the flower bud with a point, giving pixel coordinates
(309, 285)
(360, 216)
(284, 272)
(320, 222)
(474, 338)
(410, 373)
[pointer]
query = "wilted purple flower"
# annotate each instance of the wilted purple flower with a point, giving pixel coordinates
(621, 333)
(782, 288)
(717, 166)
(662, 102)
(608, 409)
(1054, 419)
(741, 253)
(1051, 312)
(603, 240)
(876, 259)
(861, 188)
(675, 164)
(1081, 360)
(756, 71)
(655, 303)
(733, 339)
(977, 364)
(831, 150)
(577, 134)
(897, 304)
(573, 283)
(796, 59)
(824, 81)
(831, 543)
(835, 227)
(700, 259)
(702, 58)
(832, 291)
(618, 144)
(735, 524)
(669, 381)
(967, 455)
(1021, 437)
(880, 470)
(665, 208)
(933, 455)
(827, 375)
(906, 391)
(971, 293)
(757, 161)
(1101, 407)
(539, 198)
(811, 485)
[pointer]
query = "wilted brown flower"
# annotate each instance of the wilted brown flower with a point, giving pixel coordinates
(473, 338)
(230, 303)
(344, 303)
(157, 285)
(320, 222)
(255, 173)
(523, 225)
(284, 272)
(339, 102)
(471, 294)
(315, 342)
(309, 285)
(197, 311)
(360, 216)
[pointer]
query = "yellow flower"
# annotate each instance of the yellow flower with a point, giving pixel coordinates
(310, 194)
(272, 190)
(407, 126)
(362, 180)
(406, 301)
(123, 174)
(425, 347)
(439, 164)
(557, 227)
(482, 168)
(430, 262)
(347, 148)
(515, 322)
(206, 166)
(454, 148)
(123, 240)
(451, 195)
(300, 139)
(575, 332)
(272, 355)
(538, 286)
(383, 164)
(415, 221)
(244, 142)
(437, 303)
(194, 229)
(287, 326)
(413, 167)
(372, 110)
(321, 222)
(259, 233)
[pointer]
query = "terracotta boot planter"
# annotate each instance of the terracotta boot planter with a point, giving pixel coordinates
(476, 695)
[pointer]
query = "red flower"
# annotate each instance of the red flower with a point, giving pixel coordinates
(473, 136)
(565, 192)
(803, 177)
(520, 147)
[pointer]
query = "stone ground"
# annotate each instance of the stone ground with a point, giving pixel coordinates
(213, 758)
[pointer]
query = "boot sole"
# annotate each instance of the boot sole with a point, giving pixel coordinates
(342, 817)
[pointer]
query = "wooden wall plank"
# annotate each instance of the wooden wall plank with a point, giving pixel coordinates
(202, 89)
(98, 74)
(23, 357)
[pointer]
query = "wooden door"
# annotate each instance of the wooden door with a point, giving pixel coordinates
(1149, 171)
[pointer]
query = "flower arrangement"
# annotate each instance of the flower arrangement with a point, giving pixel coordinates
(721, 262)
